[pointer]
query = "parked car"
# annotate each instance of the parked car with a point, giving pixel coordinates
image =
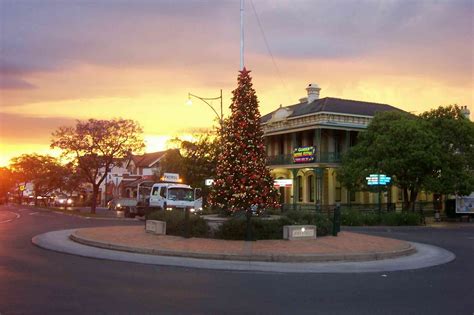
(127, 205)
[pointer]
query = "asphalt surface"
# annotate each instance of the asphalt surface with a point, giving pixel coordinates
(38, 281)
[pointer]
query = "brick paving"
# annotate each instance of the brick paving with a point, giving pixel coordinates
(346, 243)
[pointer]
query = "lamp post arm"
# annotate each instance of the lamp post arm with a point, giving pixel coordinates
(206, 99)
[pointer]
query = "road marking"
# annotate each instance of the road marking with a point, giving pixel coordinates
(33, 213)
(10, 220)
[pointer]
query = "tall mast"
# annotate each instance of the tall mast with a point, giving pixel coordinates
(241, 34)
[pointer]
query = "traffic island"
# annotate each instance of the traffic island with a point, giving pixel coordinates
(344, 248)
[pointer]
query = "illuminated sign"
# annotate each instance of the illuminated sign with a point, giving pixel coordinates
(209, 182)
(465, 204)
(283, 183)
(171, 177)
(22, 187)
(304, 154)
(378, 179)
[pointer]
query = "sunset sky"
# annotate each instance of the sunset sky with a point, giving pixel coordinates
(67, 60)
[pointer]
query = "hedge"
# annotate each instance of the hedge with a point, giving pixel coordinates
(175, 223)
(357, 218)
(236, 228)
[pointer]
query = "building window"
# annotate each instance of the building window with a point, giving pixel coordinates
(311, 188)
(352, 195)
(300, 188)
(299, 139)
(282, 145)
(338, 192)
(337, 144)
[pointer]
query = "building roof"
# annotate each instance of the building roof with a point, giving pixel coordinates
(136, 182)
(333, 105)
(147, 159)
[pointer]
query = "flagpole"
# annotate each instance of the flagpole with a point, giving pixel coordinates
(241, 34)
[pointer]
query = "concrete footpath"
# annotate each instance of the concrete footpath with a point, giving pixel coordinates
(349, 252)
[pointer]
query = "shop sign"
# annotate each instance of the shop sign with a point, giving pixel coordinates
(283, 183)
(465, 204)
(304, 154)
(378, 179)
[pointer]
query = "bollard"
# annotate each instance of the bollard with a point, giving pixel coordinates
(336, 223)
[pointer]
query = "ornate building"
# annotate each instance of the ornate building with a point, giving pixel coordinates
(304, 144)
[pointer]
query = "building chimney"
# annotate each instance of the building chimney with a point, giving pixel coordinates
(313, 92)
(465, 111)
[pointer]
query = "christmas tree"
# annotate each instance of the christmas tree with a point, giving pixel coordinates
(243, 182)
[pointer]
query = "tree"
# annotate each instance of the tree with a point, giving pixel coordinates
(172, 162)
(44, 171)
(72, 178)
(200, 159)
(7, 183)
(397, 144)
(455, 134)
(242, 180)
(96, 145)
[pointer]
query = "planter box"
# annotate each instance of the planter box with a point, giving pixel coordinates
(299, 232)
(155, 227)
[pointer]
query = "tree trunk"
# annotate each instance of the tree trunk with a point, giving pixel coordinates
(413, 195)
(95, 192)
(406, 202)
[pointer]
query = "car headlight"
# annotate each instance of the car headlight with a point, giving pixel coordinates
(118, 205)
(61, 200)
(169, 208)
(192, 210)
(69, 201)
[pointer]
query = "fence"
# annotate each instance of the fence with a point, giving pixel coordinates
(426, 208)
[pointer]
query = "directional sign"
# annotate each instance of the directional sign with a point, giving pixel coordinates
(378, 179)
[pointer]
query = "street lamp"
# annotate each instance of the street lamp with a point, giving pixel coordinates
(205, 100)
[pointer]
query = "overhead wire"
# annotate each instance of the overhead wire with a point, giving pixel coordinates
(269, 50)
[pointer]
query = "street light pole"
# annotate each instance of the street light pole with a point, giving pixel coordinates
(205, 100)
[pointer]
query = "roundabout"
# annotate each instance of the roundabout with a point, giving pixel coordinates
(347, 253)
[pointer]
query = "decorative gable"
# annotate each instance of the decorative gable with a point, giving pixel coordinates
(280, 114)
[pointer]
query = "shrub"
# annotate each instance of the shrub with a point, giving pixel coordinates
(357, 218)
(371, 218)
(175, 223)
(401, 218)
(351, 218)
(236, 229)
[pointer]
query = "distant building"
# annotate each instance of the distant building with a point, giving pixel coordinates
(126, 175)
(141, 169)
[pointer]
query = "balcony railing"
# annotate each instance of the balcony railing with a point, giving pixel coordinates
(287, 159)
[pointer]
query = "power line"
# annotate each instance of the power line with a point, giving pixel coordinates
(268, 49)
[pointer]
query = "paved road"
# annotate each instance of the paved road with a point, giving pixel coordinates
(36, 281)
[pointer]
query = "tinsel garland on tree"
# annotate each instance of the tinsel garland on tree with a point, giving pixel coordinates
(243, 181)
